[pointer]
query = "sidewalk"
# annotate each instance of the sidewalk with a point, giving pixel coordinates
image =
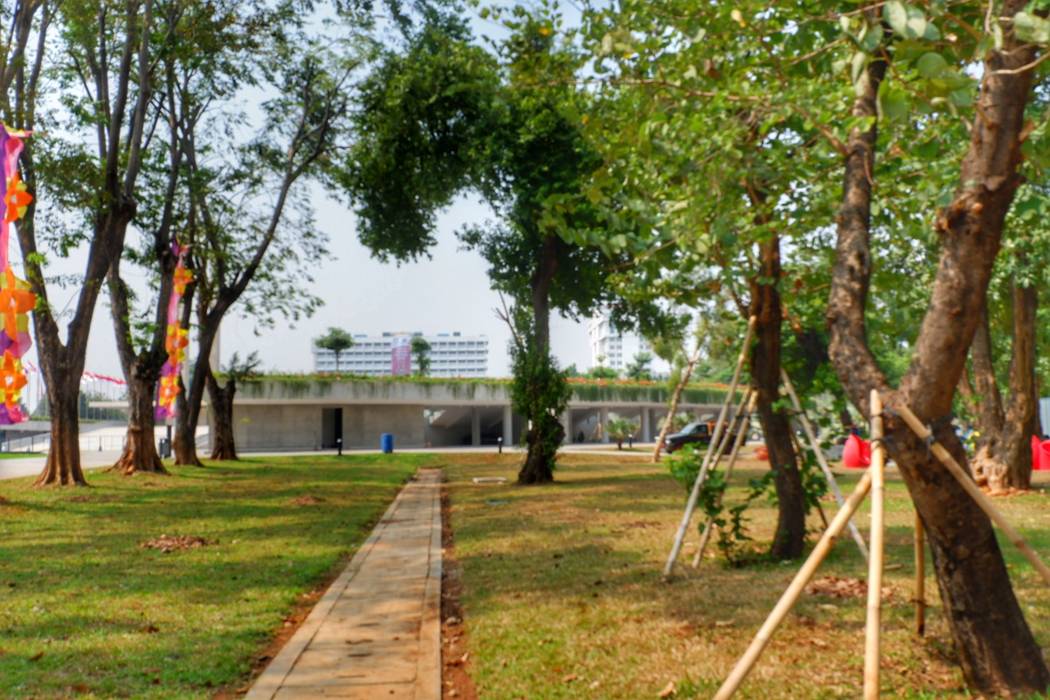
(376, 632)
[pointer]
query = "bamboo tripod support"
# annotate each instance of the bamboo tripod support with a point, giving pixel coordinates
(824, 466)
(794, 590)
(694, 494)
(920, 577)
(872, 630)
(975, 492)
(741, 436)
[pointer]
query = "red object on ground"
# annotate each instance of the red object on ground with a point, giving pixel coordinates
(1044, 457)
(857, 453)
(762, 452)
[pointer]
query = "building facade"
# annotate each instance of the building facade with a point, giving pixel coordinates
(612, 348)
(451, 355)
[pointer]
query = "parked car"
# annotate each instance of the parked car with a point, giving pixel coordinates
(696, 432)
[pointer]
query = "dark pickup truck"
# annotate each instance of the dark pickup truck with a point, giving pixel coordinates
(699, 431)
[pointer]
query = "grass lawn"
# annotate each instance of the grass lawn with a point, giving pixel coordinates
(19, 455)
(85, 610)
(563, 599)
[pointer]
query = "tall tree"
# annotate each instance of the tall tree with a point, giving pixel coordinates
(195, 69)
(107, 73)
(996, 648)
(446, 116)
(243, 212)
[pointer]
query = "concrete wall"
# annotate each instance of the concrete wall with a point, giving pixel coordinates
(299, 427)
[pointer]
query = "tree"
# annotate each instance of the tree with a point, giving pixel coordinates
(445, 117)
(421, 349)
(107, 87)
(236, 226)
(997, 651)
(221, 409)
(337, 340)
(639, 367)
(620, 429)
(185, 81)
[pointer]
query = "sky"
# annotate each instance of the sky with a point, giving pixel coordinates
(449, 292)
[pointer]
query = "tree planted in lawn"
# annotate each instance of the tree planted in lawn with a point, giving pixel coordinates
(108, 102)
(446, 117)
(996, 649)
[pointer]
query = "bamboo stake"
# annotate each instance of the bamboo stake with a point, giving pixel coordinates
(690, 505)
(975, 492)
(741, 438)
(819, 453)
(794, 590)
(878, 493)
(687, 373)
(920, 577)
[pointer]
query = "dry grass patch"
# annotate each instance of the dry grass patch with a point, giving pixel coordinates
(563, 599)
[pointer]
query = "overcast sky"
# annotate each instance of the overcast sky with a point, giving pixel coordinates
(449, 292)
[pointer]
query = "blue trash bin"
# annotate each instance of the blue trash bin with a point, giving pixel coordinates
(386, 443)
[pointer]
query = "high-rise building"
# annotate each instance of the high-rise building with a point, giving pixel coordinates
(451, 355)
(615, 349)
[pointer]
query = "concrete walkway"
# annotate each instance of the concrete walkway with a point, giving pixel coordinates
(376, 632)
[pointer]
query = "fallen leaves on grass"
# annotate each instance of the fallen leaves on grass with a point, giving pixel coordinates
(167, 544)
(843, 587)
(668, 691)
(307, 501)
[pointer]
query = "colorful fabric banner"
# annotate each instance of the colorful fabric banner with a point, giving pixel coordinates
(16, 301)
(177, 338)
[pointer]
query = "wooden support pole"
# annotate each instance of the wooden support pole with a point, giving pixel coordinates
(819, 453)
(794, 590)
(975, 492)
(920, 577)
(694, 494)
(873, 627)
(741, 437)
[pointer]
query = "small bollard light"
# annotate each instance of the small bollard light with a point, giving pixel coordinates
(499, 442)
(339, 445)
(630, 441)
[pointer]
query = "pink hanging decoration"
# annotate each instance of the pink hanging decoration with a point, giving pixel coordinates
(16, 301)
(176, 341)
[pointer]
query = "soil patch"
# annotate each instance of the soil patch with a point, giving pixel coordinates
(166, 543)
(307, 501)
(843, 587)
(455, 657)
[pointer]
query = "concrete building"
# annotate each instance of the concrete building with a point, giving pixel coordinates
(315, 413)
(451, 355)
(615, 348)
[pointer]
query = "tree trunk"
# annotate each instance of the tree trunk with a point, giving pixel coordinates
(140, 449)
(1011, 463)
(676, 396)
(221, 412)
(63, 456)
(996, 649)
(188, 401)
(790, 536)
(547, 432)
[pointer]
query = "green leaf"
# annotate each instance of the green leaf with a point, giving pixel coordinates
(872, 38)
(893, 102)
(856, 67)
(915, 27)
(963, 97)
(896, 15)
(1031, 28)
(931, 65)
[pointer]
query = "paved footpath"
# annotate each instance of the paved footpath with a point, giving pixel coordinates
(376, 632)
